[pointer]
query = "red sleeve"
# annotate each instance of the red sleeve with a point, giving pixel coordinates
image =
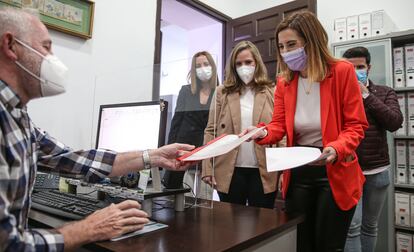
(277, 127)
(354, 121)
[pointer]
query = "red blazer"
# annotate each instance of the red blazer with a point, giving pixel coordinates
(343, 123)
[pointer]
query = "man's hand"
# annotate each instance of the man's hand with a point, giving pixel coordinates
(166, 156)
(262, 133)
(363, 87)
(109, 222)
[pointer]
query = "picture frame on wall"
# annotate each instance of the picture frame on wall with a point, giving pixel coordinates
(74, 17)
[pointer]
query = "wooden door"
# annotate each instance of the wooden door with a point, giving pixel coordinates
(259, 28)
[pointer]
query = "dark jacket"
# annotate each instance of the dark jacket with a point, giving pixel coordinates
(190, 118)
(383, 113)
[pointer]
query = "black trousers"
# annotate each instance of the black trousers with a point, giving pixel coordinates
(246, 188)
(326, 226)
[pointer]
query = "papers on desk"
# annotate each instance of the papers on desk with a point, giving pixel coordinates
(149, 227)
(218, 146)
(279, 159)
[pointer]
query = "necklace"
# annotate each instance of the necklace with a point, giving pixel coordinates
(307, 90)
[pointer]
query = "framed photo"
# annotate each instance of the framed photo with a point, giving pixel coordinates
(70, 16)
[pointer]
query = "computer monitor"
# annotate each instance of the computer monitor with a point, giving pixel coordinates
(133, 126)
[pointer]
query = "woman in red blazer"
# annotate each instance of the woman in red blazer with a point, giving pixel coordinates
(317, 103)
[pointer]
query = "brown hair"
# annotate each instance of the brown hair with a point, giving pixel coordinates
(315, 39)
(232, 82)
(192, 76)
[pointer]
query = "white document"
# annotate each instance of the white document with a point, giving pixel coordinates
(399, 68)
(218, 146)
(409, 65)
(352, 30)
(365, 25)
(340, 29)
(283, 158)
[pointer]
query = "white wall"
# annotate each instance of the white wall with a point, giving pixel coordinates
(123, 40)
(208, 38)
(175, 59)
(238, 8)
(400, 11)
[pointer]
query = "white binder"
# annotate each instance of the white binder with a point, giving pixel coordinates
(409, 65)
(401, 162)
(411, 165)
(410, 114)
(364, 25)
(402, 209)
(381, 23)
(399, 71)
(352, 30)
(340, 29)
(404, 242)
(402, 101)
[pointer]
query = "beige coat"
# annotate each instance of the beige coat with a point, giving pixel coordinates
(225, 118)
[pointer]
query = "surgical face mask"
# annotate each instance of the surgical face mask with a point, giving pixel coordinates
(204, 73)
(362, 75)
(246, 73)
(296, 59)
(52, 73)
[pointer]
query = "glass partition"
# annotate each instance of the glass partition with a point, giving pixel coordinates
(187, 86)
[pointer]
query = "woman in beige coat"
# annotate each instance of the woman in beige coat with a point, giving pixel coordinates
(245, 99)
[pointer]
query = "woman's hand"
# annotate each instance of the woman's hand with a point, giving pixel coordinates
(260, 134)
(331, 154)
(210, 180)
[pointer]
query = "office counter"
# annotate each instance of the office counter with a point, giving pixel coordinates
(226, 227)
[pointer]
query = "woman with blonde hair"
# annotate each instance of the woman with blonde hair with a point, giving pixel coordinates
(317, 103)
(246, 98)
(191, 113)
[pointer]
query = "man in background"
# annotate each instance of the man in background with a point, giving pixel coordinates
(383, 114)
(28, 70)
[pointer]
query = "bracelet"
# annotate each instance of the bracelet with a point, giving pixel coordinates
(146, 159)
(265, 131)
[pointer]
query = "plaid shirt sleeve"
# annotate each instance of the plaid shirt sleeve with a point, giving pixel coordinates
(13, 237)
(94, 164)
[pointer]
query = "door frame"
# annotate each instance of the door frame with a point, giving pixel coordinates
(199, 6)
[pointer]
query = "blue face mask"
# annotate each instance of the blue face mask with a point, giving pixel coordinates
(362, 75)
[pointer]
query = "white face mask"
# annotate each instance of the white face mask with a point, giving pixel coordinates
(204, 73)
(246, 73)
(52, 73)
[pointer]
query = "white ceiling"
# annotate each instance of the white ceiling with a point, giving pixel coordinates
(175, 13)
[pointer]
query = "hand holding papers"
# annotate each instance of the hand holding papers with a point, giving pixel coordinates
(278, 159)
(218, 146)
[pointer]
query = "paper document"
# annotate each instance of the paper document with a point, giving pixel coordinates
(279, 159)
(218, 146)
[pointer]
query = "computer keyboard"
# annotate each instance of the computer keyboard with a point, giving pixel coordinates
(65, 205)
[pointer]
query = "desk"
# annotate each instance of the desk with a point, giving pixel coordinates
(226, 227)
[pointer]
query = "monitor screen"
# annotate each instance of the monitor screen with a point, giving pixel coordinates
(131, 126)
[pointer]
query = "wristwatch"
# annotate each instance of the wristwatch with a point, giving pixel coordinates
(146, 159)
(365, 95)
